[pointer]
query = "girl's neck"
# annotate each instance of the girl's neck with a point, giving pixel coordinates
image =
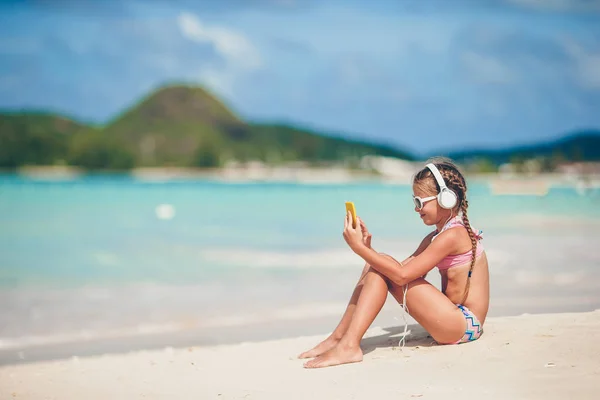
(440, 225)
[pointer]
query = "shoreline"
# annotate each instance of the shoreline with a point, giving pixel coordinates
(520, 357)
(285, 327)
(499, 183)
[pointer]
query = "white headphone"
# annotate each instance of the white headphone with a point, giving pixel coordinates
(446, 197)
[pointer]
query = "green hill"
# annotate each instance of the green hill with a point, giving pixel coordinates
(276, 141)
(181, 125)
(34, 138)
(173, 126)
(187, 126)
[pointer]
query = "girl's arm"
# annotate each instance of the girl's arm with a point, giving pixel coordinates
(424, 243)
(416, 265)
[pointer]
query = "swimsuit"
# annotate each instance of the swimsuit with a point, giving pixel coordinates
(474, 328)
(458, 259)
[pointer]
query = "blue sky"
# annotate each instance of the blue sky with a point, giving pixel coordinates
(425, 76)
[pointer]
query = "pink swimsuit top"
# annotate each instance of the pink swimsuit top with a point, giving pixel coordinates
(459, 259)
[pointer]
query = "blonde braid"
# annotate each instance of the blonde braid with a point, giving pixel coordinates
(463, 208)
(456, 182)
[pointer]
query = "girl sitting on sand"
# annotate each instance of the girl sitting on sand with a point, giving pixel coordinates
(454, 315)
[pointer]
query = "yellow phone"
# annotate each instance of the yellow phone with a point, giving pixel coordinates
(350, 207)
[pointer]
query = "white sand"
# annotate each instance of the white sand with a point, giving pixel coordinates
(551, 356)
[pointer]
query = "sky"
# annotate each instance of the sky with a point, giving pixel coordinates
(423, 76)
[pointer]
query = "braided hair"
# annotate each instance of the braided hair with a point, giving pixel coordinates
(456, 182)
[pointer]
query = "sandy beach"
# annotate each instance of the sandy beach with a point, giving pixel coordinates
(209, 301)
(544, 356)
(175, 179)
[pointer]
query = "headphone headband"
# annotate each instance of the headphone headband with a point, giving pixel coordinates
(446, 198)
(437, 175)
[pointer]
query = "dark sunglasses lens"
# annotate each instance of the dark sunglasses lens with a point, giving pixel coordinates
(418, 203)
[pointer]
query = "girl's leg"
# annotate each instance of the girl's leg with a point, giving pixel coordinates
(425, 303)
(341, 328)
(371, 300)
(441, 318)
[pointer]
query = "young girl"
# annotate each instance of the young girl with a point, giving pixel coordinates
(454, 315)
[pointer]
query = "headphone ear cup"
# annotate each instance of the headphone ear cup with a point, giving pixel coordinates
(447, 198)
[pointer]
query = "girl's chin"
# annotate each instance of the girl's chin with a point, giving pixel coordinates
(427, 221)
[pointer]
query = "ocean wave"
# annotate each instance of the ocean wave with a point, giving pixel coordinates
(302, 312)
(275, 259)
(532, 278)
(543, 221)
(84, 335)
(298, 259)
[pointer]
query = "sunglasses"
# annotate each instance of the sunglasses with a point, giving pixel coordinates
(420, 202)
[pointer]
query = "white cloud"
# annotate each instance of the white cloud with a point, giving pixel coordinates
(231, 45)
(220, 81)
(587, 65)
(487, 69)
(559, 5)
(237, 51)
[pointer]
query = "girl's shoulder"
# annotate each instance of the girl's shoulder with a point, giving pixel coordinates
(457, 238)
(457, 222)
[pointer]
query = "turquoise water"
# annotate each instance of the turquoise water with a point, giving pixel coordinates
(105, 229)
(93, 253)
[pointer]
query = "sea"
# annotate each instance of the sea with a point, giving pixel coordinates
(103, 263)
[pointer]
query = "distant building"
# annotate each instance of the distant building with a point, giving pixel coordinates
(579, 168)
(390, 167)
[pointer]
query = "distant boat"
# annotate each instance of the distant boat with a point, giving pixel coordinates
(586, 187)
(524, 187)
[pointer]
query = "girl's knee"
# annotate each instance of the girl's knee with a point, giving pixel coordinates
(365, 270)
(393, 286)
(374, 274)
(389, 258)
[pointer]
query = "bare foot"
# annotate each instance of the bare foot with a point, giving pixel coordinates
(321, 348)
(340, 354)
